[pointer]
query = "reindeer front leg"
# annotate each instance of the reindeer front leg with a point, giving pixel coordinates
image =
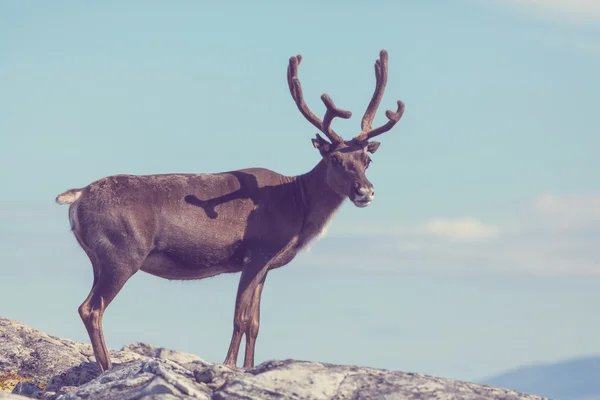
(246, 319)
(250, 286)
(253, 325)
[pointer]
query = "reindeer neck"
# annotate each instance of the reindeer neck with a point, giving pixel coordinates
(319, 201)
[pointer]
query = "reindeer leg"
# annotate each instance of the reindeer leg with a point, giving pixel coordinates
(253, 325)
(110, 278)
(252, 277)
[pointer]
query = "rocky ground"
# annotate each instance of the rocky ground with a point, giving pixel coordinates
(36, 365)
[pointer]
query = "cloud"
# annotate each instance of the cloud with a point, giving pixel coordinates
(568, 210)
(580, 41)
(460, 229)
(575, 10)
(553, 235)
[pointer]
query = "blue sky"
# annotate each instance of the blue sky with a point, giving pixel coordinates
(479, 252)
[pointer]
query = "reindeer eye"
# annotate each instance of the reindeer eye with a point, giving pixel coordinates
(336, 160)
(369, 161)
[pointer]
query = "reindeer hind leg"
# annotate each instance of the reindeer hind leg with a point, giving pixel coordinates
(110, 275)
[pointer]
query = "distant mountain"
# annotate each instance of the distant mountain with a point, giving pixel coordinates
(576, 379)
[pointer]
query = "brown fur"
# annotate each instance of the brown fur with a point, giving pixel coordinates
(194, 226)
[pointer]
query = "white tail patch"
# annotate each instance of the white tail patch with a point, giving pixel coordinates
(68, 197)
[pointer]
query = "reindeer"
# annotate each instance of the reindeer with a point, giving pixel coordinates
(195, 226)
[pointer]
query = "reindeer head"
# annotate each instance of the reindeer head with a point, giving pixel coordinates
(347, 161)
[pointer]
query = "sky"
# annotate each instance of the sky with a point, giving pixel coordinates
(478, 254)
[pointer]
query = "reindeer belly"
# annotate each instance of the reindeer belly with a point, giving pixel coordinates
(181, 262)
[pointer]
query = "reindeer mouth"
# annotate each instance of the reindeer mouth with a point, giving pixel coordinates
(361, 203)
(362, 197)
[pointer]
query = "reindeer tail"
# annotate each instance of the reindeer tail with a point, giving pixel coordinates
(68, 197)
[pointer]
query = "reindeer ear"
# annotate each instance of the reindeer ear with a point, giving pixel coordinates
(323, 145)
(373, 146)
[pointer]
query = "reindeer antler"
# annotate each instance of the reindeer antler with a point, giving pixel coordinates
(331, 113)
(381, 70)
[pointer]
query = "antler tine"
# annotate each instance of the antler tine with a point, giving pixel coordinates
(296, 91)
(393, 117)
(381, 70)
(332, 111)
(292, 70)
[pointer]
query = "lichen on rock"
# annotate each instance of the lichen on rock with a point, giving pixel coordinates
(10, 379)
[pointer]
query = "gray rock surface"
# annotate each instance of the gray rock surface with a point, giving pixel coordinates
(37, 365)
(10, 396)
(47, 360)
(313, 380)
(142, 378)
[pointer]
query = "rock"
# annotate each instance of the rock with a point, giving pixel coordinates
(45, 360)
(157, 378)
(291, 379)
(28, 389)
(10, 396)
(215, 375)
(40, 366)
(148, 350)
(186, 360)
